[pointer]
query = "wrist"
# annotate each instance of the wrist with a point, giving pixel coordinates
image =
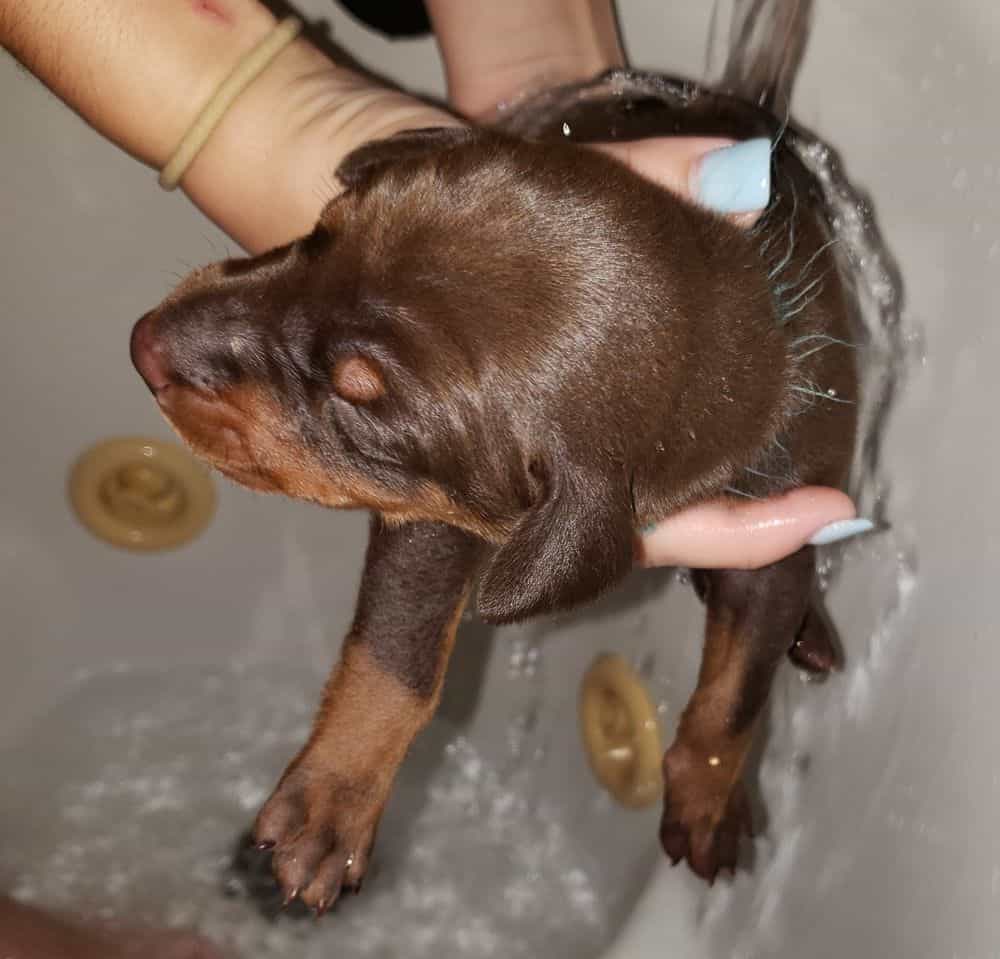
(223, 40)
(268, 168)
(97, 57)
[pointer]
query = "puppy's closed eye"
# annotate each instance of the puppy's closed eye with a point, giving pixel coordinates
(358, 380)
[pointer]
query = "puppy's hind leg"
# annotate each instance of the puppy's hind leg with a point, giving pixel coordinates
(752, 619)
(321, 819)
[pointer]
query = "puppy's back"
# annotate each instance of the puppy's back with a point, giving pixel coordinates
(794, 258)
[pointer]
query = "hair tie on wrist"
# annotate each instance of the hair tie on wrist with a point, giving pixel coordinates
(243, 74)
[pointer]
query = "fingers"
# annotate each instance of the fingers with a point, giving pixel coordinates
(729, 178)
(747, 535)
(495, 52)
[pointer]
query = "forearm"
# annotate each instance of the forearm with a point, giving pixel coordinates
(495, 51)
(139, 71)
(136, 70)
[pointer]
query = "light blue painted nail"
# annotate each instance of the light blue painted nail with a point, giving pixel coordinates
(842, 529)
(735, 179)
(647, 529)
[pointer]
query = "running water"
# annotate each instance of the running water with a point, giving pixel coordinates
(888, 348)
(870, 581)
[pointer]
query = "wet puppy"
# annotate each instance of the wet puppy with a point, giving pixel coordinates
(515, 352)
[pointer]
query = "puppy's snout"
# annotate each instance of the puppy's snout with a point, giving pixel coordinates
(148, 354)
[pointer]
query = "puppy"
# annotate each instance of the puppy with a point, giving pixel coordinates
(515, 353)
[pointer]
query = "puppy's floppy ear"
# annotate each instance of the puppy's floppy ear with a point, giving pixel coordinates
(362, 164)
(569, 548)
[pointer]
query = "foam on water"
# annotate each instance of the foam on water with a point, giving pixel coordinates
(146, 779)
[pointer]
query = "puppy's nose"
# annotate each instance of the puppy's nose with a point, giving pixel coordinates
(148, 354)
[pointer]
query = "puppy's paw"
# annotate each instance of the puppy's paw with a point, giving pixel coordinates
(704, 814)
(320, 828)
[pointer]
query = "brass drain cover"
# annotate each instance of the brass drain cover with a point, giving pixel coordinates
(620, 732)
(141, 494)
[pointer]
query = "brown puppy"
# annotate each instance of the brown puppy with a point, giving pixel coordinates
(515, 352)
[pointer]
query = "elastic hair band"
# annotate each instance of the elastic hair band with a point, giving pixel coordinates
(244, 73)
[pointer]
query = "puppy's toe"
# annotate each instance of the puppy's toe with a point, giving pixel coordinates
(327, 883)
(703, 855)
(297, 861)
(673, 838)
(282, 817)
(726, 847)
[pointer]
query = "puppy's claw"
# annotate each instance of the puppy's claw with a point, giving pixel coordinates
(673, 838)
(287, 901)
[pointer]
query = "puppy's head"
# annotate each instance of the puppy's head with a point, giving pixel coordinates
(430, 351)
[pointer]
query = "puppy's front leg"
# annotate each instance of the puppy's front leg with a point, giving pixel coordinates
(752, 618)
(321, 818)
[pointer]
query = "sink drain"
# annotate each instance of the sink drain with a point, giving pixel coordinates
(620, 733)
(141, 494)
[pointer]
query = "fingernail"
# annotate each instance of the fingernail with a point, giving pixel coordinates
(842, 529)
(735, 179)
